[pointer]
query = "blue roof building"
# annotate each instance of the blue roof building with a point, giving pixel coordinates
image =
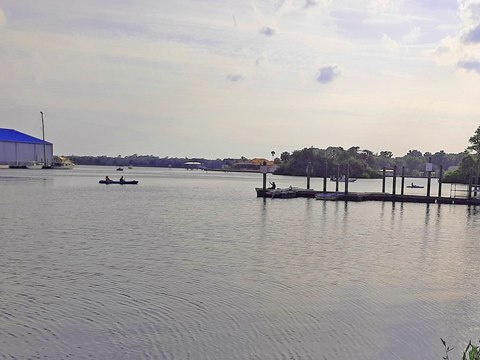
(11, 135)
(19, 149)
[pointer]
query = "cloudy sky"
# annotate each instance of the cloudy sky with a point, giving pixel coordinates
(221, 78)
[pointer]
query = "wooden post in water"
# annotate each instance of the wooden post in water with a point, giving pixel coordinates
(309, 173)
(470, 180)
(265, 180)
(338, 177)
(440, 178)
(394, 182)
(429, 176)
(383, 179)
(346, 179)
(403, 179)
(325, 178)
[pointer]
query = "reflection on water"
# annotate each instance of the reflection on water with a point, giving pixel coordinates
(191, 265)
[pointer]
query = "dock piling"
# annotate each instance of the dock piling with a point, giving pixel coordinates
(265, 181)
(309, 173)
(383, 179)
(403, 180)
(440, 178)
(429, 177)
(325, 178)
(394, 182)
(346, 179)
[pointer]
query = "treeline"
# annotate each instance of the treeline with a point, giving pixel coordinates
(462, 167)
(145, 160)
(361, 163)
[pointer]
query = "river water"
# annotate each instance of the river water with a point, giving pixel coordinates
(191, 265)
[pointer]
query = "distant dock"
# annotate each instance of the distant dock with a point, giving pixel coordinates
(471, 196)
(358, 197)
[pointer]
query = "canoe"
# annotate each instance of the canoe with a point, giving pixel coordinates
(415, 186)
(131, 182)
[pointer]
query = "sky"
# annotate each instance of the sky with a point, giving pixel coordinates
(232, 78)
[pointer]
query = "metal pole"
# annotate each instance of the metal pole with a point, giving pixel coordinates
(44, 152)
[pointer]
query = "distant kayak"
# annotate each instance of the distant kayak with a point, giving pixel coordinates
(107, 182)
(413, 186)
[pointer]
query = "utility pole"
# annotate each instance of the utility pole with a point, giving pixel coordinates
(45, 164)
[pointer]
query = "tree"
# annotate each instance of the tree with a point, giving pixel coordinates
(414, 153)
(386, 154)
(285, 156)
(474, 143)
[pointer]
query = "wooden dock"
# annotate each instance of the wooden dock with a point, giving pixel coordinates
(472, 194)
(356, 196)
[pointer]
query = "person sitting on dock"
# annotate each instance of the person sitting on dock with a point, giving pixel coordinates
(122, 180)
(107, 179)
(273, 185)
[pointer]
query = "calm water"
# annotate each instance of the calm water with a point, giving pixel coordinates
(191, 265)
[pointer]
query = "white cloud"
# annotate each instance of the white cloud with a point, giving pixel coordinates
(461, 50)
(390, 44)
(380, 6)
(414, 34)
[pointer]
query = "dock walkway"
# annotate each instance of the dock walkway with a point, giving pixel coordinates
(370, 196)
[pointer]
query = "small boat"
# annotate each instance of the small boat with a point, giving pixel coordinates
(62, 162)
(414, 186)
(35, 165)
(281, 193)
(4, 166)
(342, 179)
(125, 182)
(120, 169)
(278, 193)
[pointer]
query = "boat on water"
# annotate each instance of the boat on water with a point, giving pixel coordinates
(278, 193)
(62, 162)
(414, 186)
(342, 179)
(34, 165)
(125, 182)
(120, 169)
(4, 166)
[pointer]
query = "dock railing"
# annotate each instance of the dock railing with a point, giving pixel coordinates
(470, 191)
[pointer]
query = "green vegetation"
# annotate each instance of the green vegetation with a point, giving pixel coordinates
(471, 352)
(332, 161)
(469, 167)
(361, 163)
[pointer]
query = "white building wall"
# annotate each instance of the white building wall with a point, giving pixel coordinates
(22, 154)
